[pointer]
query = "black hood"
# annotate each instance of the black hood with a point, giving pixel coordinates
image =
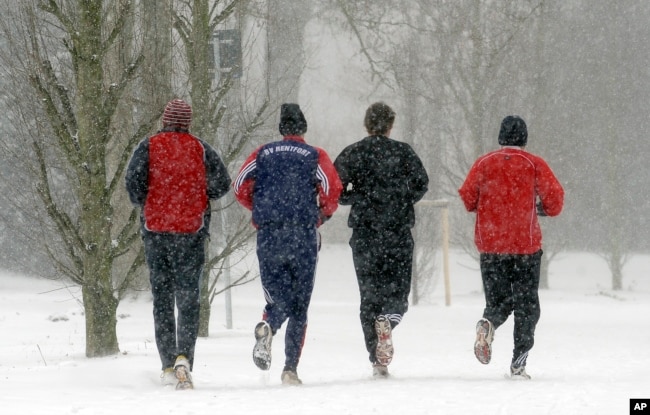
(292, 120)
(513, 132)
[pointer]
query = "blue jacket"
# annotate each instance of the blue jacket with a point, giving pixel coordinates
(288, 182)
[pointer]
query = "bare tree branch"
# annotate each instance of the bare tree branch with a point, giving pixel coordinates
(71, 238)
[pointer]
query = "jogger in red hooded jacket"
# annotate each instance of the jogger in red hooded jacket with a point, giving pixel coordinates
(507, 189)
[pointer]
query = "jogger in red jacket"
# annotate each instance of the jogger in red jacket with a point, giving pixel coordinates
(507, 189)
(171, 177)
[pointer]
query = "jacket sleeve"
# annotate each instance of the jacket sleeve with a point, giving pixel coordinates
(549, 190)
(469, 191)
(418, 180)
(341, 166)
(243, 184)
(137, 174)
(329, 189)
(217, 174)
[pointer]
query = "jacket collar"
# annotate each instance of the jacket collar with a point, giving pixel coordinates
(174, 127)
(297, 138)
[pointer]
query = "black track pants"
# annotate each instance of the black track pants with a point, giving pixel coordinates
(383, 261)
(511, 284)
(175, 267)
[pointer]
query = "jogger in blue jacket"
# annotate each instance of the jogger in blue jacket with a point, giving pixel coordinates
(291, 188)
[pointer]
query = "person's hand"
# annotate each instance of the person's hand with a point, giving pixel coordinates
(319, 240)
(540, 209)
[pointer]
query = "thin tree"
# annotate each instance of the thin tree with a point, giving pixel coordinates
(223, 119)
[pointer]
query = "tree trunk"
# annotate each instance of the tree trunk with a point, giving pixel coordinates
(198, 55)
(156, 72)
(616, 267)
(96, 212)
(99, 299)
(100, 307)
(286, 58)
(206, 307)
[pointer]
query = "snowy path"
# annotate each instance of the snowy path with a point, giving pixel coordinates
(590, 357)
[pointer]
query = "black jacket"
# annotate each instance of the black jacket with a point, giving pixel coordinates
(382, 180)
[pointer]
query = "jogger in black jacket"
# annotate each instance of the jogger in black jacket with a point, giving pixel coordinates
(382, 179)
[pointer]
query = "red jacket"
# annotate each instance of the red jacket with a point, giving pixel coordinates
(502, 187)
(177, 185)
(172, 175)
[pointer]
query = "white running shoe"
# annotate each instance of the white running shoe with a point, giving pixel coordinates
(262, 349)
(379, 371)
(483, 342)
(519, 373)
(168, 377)
(182, 372)
(385, 350)
(290, 377)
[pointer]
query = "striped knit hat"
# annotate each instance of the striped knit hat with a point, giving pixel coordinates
(177, 112)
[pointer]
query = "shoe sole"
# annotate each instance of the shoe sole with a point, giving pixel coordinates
(184, 386)
(380, 372)
(290, 379)
(262, 349)
(517, 378)
(519, 374)
(184, 380)
(483, 343)
(384, 352)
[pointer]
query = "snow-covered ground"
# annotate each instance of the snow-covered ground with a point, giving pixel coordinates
(591, 354)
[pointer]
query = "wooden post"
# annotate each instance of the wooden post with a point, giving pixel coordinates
(444, 205)
(445, 252)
